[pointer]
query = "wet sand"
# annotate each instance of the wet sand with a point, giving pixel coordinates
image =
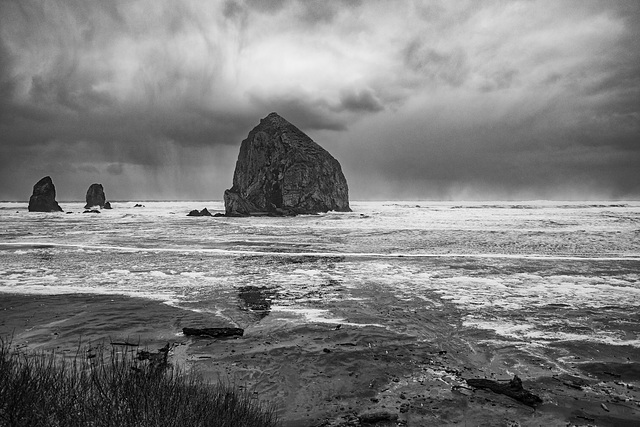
(327, 374)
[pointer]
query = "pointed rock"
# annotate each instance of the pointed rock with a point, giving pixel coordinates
(43, 198)
(95, 197)
(281, 171)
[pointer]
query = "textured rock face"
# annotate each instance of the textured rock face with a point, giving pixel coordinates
(95, 196)
(282, 171)
(43, 198)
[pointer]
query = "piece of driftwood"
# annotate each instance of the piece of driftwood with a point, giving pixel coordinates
(513, 389)
(377, 416)
(214, 332)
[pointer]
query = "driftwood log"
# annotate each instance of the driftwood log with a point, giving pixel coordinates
(513, 389)
(213, 332)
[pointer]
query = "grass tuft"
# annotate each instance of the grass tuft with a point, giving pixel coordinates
(116, 388)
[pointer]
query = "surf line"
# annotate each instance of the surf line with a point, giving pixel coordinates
(225, 252)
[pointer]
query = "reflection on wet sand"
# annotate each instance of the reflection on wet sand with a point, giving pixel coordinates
(256, 299)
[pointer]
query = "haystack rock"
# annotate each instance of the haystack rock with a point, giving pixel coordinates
(281, 171)
(43, 198)
(96, 197)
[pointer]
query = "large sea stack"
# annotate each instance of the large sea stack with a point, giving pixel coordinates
(43, 198)
(281, 171)
(96, 197)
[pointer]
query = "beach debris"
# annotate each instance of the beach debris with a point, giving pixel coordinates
(158, 359)
(213, 332)
(377, 416)
(604, 407)
(576, 383)
(513, 389)
(126, 343)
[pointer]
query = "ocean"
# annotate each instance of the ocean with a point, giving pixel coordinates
(538, 272)
(389, 308)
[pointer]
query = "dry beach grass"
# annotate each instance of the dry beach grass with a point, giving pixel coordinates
(116, 388)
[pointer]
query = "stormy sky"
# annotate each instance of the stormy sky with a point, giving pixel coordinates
(416, 99)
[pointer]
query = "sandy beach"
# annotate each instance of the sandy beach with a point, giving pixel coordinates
(413, 372)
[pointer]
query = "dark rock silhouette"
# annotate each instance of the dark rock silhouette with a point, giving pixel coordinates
(375, 417)
(203, 212)
(95, 197)
(281, 171)
(213, 332)
(513, 389)
(107, 205)
(43, 198)
(92, 211)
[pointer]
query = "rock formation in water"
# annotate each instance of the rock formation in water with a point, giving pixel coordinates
(203, 212)
(43, 198)
(281, 171)
(96, 197)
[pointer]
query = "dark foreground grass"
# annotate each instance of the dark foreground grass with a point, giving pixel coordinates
(115, 389)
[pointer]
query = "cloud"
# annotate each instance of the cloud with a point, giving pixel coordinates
(447, 67)
(364, 100)
(303, 110)
(427, 96)
(115, 169)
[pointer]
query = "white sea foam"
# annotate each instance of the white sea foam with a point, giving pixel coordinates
(192, 274)
(490, 260)
(314, 315)
(530, 333)
(157, 274)
(408, 255)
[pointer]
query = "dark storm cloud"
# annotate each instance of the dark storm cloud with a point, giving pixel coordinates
(306, 113)
(269, 6)
(430, 97)
(364, 100)
(309, 11)
(322, 11)
(7, 85)
(319, 113)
